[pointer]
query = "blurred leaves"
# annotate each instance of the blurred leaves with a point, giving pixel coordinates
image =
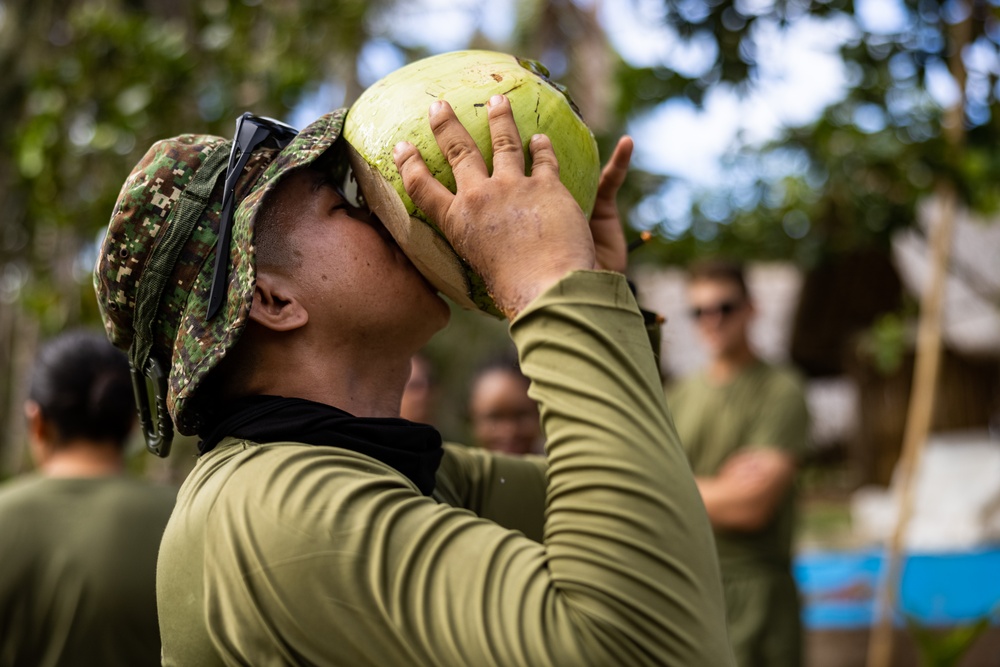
(887, 343)
(854, 176)
(946, 647)
(90, 84)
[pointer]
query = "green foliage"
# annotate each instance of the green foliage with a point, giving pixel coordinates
(945, 648)
(643, 87)
(886, 343)
(732, 27)
(100, 81)
(854, 176)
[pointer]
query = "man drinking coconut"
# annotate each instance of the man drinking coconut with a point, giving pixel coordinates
(317, 527)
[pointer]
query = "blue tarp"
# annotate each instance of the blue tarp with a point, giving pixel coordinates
(838, 588)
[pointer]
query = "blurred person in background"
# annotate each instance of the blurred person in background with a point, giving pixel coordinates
(78, 539)
(504, 418)
(744, 425)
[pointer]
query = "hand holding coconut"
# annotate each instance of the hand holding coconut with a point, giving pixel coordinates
(522, 233)
(393, 110)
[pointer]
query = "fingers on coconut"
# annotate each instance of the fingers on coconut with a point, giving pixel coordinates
(456, 144)
(426, 192)
(508, 154)
(543, 157)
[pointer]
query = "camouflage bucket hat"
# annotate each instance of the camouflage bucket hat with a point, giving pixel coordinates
(155, 271)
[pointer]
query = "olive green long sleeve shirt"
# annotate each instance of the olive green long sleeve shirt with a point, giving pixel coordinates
(283, 553)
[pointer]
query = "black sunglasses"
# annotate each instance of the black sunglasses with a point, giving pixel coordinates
(724, 309)
(251, 133)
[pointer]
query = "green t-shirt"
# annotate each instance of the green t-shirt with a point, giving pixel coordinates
(764, 406)
(77, 571)
(284, 553)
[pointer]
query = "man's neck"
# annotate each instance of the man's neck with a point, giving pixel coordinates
(83, 460)
(362, 386)
(725, 367)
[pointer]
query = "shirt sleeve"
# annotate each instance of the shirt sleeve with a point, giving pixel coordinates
(508, 490)
(349, 564)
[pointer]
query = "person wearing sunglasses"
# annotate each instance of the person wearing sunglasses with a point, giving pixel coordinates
(744, 425)
(318, 527)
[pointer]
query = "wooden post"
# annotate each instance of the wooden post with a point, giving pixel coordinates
(918, 421)
(928, 358)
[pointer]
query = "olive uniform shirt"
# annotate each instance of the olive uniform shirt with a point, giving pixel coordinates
(282, 553)
(764, 406)
(77, 571)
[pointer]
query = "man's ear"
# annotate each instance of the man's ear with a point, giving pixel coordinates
(33, 414)
(38, 432)
(275, 306)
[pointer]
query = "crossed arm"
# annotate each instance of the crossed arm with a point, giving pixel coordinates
(746, 492)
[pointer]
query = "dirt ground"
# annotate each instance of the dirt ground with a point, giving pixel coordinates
(848, 648)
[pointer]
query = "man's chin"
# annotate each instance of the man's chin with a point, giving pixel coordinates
(714, 348)
(437, 313)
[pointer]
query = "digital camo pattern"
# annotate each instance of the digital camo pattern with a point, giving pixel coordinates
(183, 341)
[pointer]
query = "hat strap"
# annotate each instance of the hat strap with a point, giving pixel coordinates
(179, 225)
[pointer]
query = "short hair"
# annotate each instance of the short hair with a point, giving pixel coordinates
(271, 235)
(83, 388)
(505, 361)
(273, 226)
(720, 270)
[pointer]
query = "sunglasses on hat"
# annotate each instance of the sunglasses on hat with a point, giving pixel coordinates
(251, 133)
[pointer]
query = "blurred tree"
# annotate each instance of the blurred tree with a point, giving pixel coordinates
(567, 37)
(87, 86)
(852, 177)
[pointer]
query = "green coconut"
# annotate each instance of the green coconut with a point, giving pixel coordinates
(395, 109)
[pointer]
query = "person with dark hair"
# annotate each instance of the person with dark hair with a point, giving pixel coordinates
(320, 528)
(78, 539)
(744, 425)
(504, 418)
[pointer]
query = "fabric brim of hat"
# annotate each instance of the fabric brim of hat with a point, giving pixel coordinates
(200, 345)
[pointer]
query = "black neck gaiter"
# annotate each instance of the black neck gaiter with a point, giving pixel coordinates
(412, 449)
